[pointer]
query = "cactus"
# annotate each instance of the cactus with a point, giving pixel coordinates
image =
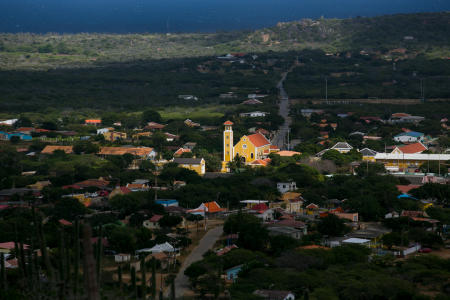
(99, 253)
(172, 288)
(3, 284)
(44, 252)
(143, 278)
(153, 283)
(119, 276)
(22, 261)
(90, 277)
(133, 281)
(77, 258)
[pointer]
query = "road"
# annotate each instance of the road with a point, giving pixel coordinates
(281, 137)
(206, 243)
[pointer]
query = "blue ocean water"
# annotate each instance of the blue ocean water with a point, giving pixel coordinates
(124, 16)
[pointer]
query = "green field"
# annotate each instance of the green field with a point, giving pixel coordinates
(178, 112)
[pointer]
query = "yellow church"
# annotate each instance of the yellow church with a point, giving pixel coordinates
(250, 148)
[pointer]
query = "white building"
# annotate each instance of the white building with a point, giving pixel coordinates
(409, 137)
(254, 114)
(284, 187)
(342, 147)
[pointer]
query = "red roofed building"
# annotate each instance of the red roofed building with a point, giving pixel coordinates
(180, 151)
(260, 207)
(153, 222)
(64, 222)
(8, 246)
(154, 126)
(93, 122)
(404, 189)
(410, 149)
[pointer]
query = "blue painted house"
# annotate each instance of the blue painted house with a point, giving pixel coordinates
(167, 202)
(7, 136)
(232, 273)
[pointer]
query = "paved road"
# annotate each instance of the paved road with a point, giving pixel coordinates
(281, 137)
(206, 243)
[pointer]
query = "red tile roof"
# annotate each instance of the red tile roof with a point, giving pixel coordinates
(260, 207)
(228, 123)
(413, 148)
(181, 151)
(155, 218)
(404, 189)
(258, 140)
(64, 222)
(261, 162)
(10, 245)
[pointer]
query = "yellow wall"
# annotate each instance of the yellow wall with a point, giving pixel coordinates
(228, 154)
(245, 149)
(200, 169)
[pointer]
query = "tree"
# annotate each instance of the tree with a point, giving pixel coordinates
(122, 239)
(151, 115)
(252, 235)
(68, 208)
(333, 226)
(370, 169)
(170, 221)
(14, 139)
(23, 122)
(85, 147)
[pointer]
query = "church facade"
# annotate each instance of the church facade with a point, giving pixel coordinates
(250, 147)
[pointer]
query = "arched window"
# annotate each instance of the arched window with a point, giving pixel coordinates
(251, 155)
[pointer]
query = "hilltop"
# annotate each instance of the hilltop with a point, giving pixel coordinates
(419, 33)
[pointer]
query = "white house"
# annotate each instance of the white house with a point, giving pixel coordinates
(104, 130)
(409, 137)
(153, 222)
(188, 97)
(254, 114)
(275, 294)
(166, 247)
(342, 147)
(284, 187)
(121, 257)
(9, 122)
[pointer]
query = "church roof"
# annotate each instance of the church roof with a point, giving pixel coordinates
(258, 140)
(228, 123)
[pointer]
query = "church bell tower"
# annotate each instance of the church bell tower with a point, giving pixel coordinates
(228, 149)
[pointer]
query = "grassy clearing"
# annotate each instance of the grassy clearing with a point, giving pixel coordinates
(177, 112)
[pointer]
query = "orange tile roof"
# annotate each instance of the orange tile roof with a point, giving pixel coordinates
(93, 121)
(413, 148)
(138, 151)
(261, 162)
(50, 149)
(309, 247)
(228, 123)
(213, 206)
(399, 115)
(258, 140)
(181, 151)
(288, 153)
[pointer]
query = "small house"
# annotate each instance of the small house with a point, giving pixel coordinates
(284, 187)
(153, 222)
(122, 257)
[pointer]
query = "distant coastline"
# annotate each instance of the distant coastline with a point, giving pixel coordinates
(181, 16)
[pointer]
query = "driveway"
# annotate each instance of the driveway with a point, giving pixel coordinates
(206, 243)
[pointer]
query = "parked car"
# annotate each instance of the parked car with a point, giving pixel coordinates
(425, 250)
